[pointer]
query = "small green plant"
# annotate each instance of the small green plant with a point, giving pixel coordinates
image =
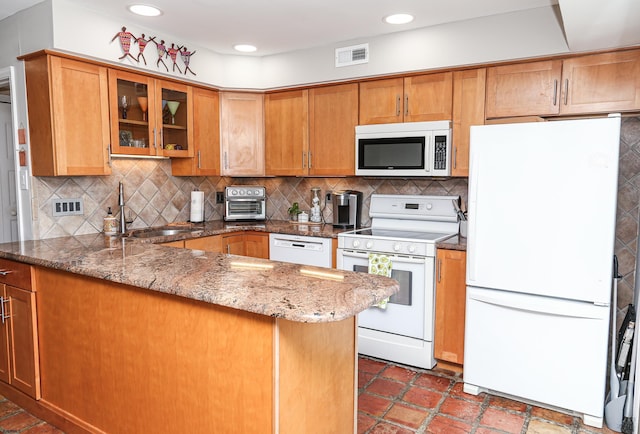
(294, 210)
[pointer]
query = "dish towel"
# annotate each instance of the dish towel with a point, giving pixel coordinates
(380, 265)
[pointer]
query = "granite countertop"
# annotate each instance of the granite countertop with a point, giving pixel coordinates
(218, 227)
(455, 243)
(290, 291)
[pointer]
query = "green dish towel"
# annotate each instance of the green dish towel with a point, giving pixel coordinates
(380, 265)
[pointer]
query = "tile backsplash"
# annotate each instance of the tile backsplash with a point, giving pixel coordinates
(155, 197)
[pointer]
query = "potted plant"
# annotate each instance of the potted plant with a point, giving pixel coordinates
(294, 210)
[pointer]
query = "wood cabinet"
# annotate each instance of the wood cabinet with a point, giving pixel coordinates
(68, 106)
(311, 132)
(233, 243)
(256, 244)
(410, 99)
(147, 361)
(206, 137)
(598, 83)
(450, 305)
(157, 120)
(208, 244)
(19, 356)
(242, 133)
(286, 116)
(468, 110)
(333, 116)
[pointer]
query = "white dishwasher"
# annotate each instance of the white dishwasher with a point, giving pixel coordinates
(299, 249)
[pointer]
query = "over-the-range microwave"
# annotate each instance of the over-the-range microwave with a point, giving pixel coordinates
(404, 149)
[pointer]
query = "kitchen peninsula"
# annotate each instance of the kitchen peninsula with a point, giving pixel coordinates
(135, 337)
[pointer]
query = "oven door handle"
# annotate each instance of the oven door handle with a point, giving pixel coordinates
(394, 258)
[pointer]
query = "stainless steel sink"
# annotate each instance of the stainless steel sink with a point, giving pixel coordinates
(158, 233)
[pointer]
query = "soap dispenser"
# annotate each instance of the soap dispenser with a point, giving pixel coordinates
(110, 224)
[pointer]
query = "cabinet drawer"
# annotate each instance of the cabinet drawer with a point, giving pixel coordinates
(15, 274)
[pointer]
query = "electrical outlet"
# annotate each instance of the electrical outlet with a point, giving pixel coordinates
(63, 207)
(328, 197)
(219, 197)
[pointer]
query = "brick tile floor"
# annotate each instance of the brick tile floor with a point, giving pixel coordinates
(395, 399)
(403, 400)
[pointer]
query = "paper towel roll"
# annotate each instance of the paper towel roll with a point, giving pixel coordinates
(197, 206)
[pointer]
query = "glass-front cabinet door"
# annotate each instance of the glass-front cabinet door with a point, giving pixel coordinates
(132, 120)
(175, 116)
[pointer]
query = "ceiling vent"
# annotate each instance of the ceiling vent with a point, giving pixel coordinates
(352, 55)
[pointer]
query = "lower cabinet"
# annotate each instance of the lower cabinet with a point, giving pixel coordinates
(19, 357)
(244, 243)
(450, 305)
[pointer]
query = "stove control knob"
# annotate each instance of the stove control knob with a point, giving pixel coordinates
(356, 243)
(429, 205)
(397, 247)
(233, 192)
(412, 248)
(241, 192)
(369, 244)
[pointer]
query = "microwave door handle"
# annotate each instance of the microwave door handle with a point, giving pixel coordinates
(428, 159)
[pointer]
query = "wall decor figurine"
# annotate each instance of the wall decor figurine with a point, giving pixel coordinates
(162, 51)
(125, 42)
(173, 54)
(186, 57)
(142, 43)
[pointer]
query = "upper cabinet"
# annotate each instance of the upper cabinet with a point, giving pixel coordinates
(468, 110)
(206, 137)
(242, 133)
(597, 83)
(286, 120)
(68, 106)
(410, 99)
(333, 116)
(311, 132)
(150, 116)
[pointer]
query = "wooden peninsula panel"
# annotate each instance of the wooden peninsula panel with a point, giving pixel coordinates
(117, 358)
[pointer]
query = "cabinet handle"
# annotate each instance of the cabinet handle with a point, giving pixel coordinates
(406, 104)
(439, 269)
(5, 272)
(109, 154)
(199, 160)
(309, 160)
(566, 90)
(555, 92)
(228, 249)
(398, 105)
(304, 159)
(161, 139)
(455, 156)
(3, 309)
(226, 161)
(155, 144)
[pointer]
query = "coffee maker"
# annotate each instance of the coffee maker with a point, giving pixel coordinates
(347, 207)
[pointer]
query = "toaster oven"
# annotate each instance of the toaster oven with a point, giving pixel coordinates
(245, 202)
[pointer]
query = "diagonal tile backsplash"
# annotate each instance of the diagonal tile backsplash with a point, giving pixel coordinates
(154, 197)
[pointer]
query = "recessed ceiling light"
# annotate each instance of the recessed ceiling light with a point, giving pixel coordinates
(398, 19)
(245, 48)
(145, 10)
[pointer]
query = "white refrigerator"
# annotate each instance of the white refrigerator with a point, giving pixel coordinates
(541, 232)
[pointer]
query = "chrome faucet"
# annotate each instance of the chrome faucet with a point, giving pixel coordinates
(123, 219)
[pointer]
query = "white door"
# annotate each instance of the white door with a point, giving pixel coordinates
(548, 350)
(542, 207)
(9, 208)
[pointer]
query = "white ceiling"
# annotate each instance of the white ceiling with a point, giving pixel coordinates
(278, 26)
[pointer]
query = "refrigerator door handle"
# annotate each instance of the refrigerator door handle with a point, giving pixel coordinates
(546, 307)
(472, 211)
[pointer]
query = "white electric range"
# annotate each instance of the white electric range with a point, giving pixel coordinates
(405, 228)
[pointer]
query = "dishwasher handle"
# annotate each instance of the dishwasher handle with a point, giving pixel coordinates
(395, 258)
